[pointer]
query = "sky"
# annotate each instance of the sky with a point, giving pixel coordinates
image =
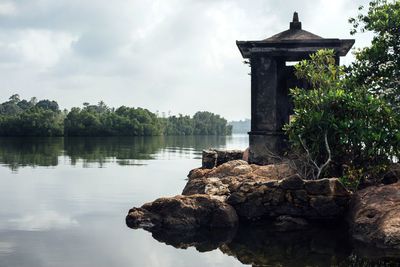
(169, 56)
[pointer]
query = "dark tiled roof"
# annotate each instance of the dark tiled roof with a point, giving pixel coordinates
(295, 33)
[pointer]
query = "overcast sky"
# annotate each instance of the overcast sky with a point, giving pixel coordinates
(164, 55)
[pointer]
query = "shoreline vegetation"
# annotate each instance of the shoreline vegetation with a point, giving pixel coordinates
(44, 118)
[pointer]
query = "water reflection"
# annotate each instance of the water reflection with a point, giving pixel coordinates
(201, 239)
(262, 245)
(21, 152)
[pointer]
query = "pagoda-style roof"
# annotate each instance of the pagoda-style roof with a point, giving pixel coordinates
(294, 44)
(294, 33)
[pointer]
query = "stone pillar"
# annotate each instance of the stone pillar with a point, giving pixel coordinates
(270, 107)
(265, 147)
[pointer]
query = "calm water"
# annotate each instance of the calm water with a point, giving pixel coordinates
(63, 202)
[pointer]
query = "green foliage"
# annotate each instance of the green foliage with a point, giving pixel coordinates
(44, 118)
(23, 118)
(207, 123)
(99, 120)
(378, 66)
(181, 125)
(47, 105)
(363, 131)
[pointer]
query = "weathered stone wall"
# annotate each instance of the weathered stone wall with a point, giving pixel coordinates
(214, 157)
(293, 196)
(269, 191)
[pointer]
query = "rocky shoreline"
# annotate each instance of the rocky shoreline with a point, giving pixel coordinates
(227, 193)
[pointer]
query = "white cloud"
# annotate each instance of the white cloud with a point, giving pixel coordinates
(32, 48)
(177, 55)
(7, 9)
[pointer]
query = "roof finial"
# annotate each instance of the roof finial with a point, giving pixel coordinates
(295, 17)
(295, 24)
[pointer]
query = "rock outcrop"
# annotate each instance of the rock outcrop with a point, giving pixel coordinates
(214, 157)
(182, 213)
(221, 181)
(243, 169)
(269, 191)
(221, 193)
(374, 216)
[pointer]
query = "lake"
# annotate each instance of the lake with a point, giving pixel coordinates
(64, 202)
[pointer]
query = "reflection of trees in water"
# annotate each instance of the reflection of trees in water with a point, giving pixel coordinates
(101, 150)
(21, 152)
(265, 246)
(191, 146)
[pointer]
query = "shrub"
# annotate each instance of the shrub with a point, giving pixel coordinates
(344, 130)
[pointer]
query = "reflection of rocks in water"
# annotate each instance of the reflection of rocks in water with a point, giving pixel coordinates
(373, 256)
(184, 221)
(264, 246)
(356, 261)
(202, 239)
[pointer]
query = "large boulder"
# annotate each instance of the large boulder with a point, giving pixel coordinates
(214, 187)
(183, 212)
(231, 168)
(374, 216)
(222, 181)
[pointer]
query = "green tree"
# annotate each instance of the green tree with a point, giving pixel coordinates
(44, 118)
(353, 131)
(23, 118)
(378, 66)
(48, 105)
(207, 123)
(14, 98)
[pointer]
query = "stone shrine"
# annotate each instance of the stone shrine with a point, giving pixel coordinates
(272, 75)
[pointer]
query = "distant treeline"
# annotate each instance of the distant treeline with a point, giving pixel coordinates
(44, 118)
(242, 126)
